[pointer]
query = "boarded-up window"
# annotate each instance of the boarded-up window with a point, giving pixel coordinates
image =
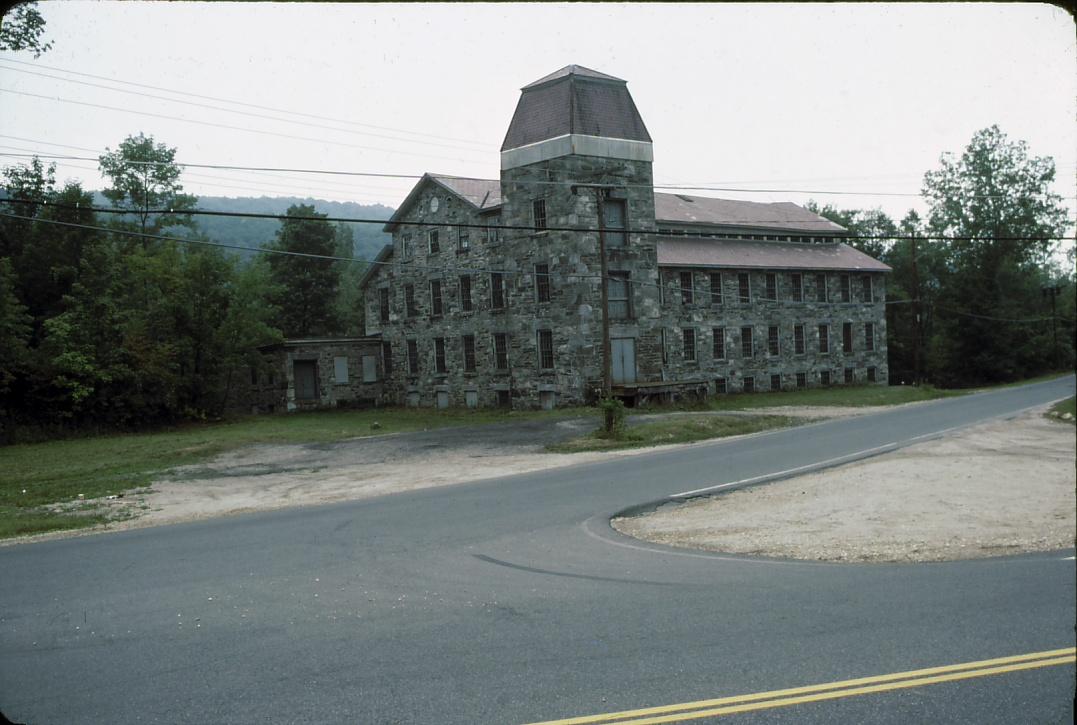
(620, 301)
(370, 369)
(409, 300)
(305, 373)
(383, 304)
(802, 380)
(775, 382)
(871, 375)
(848, 376)
(615, 222)
(847, 337)
(387, 358)
(824, 377)
(340, 370)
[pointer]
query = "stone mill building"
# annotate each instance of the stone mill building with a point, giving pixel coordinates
(490, 293)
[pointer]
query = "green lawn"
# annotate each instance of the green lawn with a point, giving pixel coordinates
(36, 474)
(1069, 405)
(674, 429)
(840, 395)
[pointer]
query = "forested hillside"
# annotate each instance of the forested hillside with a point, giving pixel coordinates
(247, 232)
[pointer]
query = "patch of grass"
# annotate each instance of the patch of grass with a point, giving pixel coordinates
(36, 474)
(673, 429)
(853, 396)
(1061, 408)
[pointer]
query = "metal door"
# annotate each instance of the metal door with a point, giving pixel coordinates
(623, 362)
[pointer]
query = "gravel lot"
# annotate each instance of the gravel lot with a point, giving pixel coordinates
(1000, 488)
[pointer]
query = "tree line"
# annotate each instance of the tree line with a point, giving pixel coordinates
(104, 325)
(987, 271)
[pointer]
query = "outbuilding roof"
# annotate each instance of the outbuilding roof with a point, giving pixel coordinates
(744, 254)
(685, 209)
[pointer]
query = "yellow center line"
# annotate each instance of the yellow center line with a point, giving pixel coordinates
(844, 688)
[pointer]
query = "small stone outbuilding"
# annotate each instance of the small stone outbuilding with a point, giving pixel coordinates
(319, 373)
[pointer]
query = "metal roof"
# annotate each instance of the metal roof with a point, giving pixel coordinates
(575, 100)
(483, 194)
(744, 254)
(685, 209)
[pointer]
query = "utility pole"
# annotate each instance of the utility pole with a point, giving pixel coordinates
(601, 193)
(1052, 292)
(916, 310)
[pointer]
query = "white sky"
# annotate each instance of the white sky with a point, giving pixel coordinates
(806, 97)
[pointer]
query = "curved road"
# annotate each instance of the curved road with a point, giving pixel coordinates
(512, 601)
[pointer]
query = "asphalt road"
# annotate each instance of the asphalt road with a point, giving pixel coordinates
(512, 601)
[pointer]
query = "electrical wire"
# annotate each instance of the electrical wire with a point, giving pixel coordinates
(306, 124)
(241, 103)
(518, 227)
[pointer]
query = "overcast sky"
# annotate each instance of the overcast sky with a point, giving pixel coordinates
(859, 98)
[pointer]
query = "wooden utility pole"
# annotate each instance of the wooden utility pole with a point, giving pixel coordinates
(917, 371)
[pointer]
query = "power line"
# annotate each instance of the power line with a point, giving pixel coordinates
(510, 227)
(672, 187)
(231, 127)
(241, 103)
(307, 124)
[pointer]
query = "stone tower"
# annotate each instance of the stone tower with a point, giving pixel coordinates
(579, 126)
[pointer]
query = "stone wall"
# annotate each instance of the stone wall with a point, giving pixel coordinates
(273, 386)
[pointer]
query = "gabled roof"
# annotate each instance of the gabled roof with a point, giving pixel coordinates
(375, 267)
(684, 209)
(744, 254)
(482, 194)
(575, 100)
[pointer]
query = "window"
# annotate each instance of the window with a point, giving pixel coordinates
(619, 297)
(387, 358)
(503, 399)
(432, 238)
(847, 337)
(820, 287)
(796, 281)
(542, 282)
(493, 234)
(615, 223)
(749, 384)
(802, 380)
(538, 214)
(501, 351)
(463, 239)
(340, 370)
(405, 245)
(824, 338)
(545, 346)
(744, 287)
(716, 288)
(686, 288)
(798, 339)
(772, 286)
(413, 357)
(747, 349)
(409, 300)
(775, 382)
(497, 290)
(436, 308)
(465, 293)
(720, 386)
(869, 294)
(718, 343)
(869, 336)
(871, 375)
(845, 295)
(383, 304)
(824, 377)
(848, 376)
(689, 338)
(439, 355)
(469, 353)
(773, 344)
